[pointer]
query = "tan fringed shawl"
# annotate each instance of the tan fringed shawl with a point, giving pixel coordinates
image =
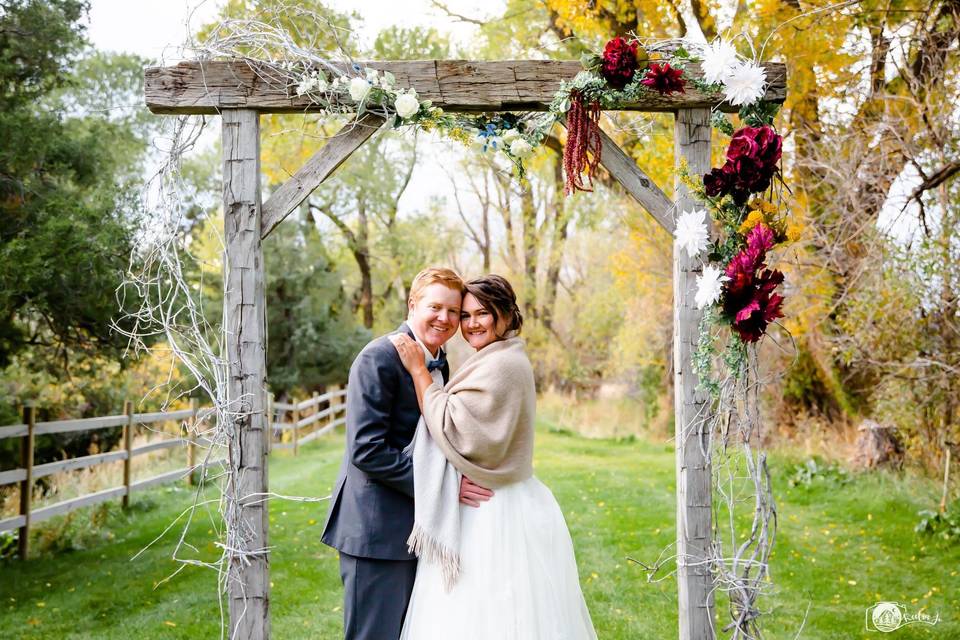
(483, 419)
(481, 426)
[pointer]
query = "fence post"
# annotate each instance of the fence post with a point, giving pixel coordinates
(271, 400)
(26, 485)
(335, 403)
(330, 389)
(296, 429)
(191, 443)
(128, 446)
(946, 477)
(316, 409)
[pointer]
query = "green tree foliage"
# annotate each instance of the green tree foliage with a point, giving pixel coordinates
(311, 23)
(312, 333)
(71, 162)
(67, 170)
(360, 205)
(415, 43)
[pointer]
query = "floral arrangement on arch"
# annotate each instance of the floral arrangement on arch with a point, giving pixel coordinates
(746, 199)
(737, 287)
(625, 72)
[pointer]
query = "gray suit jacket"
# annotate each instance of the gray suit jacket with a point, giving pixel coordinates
(371, 509)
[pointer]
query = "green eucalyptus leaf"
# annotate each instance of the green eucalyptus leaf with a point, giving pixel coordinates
(591, 61)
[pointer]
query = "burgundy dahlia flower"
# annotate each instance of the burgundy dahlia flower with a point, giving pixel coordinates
(719, 181)
(749, 299)
(763, 307)
(760, 240)
(619, 62)
(663, 79)
(761, 144)
(752, 158)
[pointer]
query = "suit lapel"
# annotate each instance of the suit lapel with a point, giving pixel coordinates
(405, 328)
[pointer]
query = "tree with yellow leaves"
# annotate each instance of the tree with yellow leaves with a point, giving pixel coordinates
(872, 154)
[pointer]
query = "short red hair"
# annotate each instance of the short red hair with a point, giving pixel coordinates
(434, 275)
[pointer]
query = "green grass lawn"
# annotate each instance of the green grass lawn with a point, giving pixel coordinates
(838, 550)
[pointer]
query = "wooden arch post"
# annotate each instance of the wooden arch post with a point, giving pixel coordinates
(244, 323)
(240, 90)
(694, 477)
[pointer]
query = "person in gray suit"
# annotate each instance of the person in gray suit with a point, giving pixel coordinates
(371, 509)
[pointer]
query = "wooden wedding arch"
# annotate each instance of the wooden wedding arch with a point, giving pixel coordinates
(239, 91)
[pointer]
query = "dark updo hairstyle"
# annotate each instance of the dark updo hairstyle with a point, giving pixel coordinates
(497, 296)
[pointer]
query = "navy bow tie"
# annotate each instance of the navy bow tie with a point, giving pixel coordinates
(439, 362)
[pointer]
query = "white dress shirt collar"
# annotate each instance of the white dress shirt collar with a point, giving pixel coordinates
(426, 352)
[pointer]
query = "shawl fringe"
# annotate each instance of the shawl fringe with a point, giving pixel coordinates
(425, 546)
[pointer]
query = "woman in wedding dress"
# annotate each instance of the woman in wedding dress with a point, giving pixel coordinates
(504, 570)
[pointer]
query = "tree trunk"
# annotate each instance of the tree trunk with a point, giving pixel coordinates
(528, 215)
(480, 237)
(504, 201)
(244, 321)
(362, 255)
(485, 237)
(560, 229)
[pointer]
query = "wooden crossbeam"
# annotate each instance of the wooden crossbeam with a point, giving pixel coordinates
(455, 85)
(318, 168)
(637, 183)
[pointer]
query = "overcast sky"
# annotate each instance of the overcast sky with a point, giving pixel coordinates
(155, 28)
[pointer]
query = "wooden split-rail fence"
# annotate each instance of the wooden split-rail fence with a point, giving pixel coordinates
(291, 425)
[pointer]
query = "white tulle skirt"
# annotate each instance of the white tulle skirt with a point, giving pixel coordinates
(518, 578)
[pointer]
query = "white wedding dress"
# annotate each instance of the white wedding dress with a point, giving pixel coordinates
(518, 577)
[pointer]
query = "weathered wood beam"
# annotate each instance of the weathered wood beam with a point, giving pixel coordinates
(244, 326)
(691, 406)
(318, 168)
(454, 85)
(637, 183)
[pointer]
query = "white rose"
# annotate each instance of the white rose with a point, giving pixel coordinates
(305, 85)
(520, 148)
(407, 105)
(359, 88)
(510, 135)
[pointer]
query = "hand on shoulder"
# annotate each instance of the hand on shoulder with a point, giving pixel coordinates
(411, 354)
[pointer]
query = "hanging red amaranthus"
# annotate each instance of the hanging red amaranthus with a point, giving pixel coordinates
(583, 137)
